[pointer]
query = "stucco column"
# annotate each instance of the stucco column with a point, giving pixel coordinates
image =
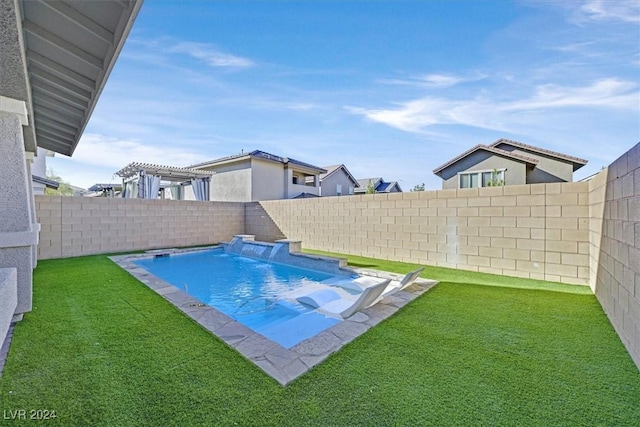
(18, 229)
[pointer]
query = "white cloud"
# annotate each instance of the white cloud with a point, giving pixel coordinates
(301, 106)
(484, 112)
(433, 80)
(608, 93)
(611, 10)
(98, 150)
(410, 116)
(210, 55)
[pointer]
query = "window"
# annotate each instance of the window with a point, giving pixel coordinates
(338, 190)
(494, 178)
(294, 180)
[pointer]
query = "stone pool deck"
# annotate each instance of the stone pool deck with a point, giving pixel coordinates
(282, 364)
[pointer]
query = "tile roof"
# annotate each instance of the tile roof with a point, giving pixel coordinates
(575, 160)
(386, 187)
(364, 183)
(261, 155)
(49, 183)
(381, 186)
(491, 149)
(100, 187)
(305, 196)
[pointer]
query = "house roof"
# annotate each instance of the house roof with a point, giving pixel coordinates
(386, 187)
(58, 58)
(305, 196)
(364, 183)
(379, 184)
(258, 155)
(576, 161)
(169, 173)
(101, 187)
(490, 149)
(49, 183)
(334, 168)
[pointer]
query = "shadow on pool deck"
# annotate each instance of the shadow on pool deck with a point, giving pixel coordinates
(282, 364)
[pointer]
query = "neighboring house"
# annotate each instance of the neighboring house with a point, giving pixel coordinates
(255, 176)
(337, 181)
(507, 162)
(379, 185)
(39, 172)
(103, 190)
(40, 184)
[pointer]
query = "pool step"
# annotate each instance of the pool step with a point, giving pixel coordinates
(261, 320)
(299, 328)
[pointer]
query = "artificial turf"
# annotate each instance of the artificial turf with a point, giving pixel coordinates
(100, 348)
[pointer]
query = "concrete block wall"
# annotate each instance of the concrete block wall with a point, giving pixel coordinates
(76, 226)
(597, 197)
(617, 284)
(259, 223)
(536, 231)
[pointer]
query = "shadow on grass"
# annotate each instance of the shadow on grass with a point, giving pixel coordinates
(452, 275)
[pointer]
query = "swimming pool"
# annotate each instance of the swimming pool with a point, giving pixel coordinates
(247, 290)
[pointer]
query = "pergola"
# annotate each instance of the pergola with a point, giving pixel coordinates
(142, 180)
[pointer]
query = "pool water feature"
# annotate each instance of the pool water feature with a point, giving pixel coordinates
(247, 290)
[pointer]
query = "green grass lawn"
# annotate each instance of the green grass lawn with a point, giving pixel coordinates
(100, 348)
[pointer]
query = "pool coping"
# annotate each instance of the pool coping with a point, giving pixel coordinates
(282, 364)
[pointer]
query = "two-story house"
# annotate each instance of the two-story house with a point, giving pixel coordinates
(507, 162)
(257, 175)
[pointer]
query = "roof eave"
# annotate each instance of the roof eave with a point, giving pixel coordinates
(58, 119)
(490, 149)
(576, 161)
(121, 35)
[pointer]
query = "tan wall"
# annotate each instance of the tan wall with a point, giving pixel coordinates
(258, 223)
(617, 284)
(328, 187)
(539, 231)
(597, 193)
(267, 180)
(75, 226)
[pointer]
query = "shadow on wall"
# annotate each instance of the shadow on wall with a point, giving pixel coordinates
(259, 223)
(618, 279)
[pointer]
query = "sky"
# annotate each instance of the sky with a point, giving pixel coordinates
(391, 89)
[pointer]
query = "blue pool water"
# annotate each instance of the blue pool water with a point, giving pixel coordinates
(247, 290)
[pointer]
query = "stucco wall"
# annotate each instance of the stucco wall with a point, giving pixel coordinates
(617, 285)
(230, 183)
(39, 168)
(267, 180)
(515, 173)
(75, 226)
(328, 187)
(549, 169)
(18, 227)
(539, 231)
(8, 299)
